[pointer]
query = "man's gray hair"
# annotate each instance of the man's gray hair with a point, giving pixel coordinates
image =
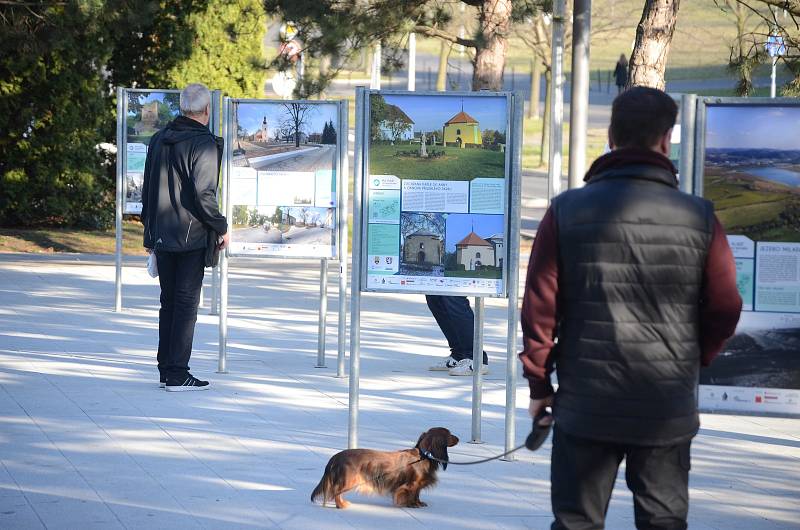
(194, 99)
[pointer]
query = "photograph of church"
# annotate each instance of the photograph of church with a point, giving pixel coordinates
(473, 252)
(462, 130)
(422, 244)
(437, 137)
(474, 245)
(423, 248)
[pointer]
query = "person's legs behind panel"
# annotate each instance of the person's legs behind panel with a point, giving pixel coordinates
(439, 311)
(462, 320)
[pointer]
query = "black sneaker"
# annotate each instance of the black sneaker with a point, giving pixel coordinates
(189, 383)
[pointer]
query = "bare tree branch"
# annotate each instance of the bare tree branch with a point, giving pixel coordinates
(435, 32)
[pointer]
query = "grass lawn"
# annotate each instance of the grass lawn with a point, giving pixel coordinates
(457, 164)
(494, 274)
(754, 213)
(47, 240)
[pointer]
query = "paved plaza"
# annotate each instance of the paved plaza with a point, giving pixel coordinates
(88, 440)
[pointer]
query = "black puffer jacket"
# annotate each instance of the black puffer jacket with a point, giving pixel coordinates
(179, 207)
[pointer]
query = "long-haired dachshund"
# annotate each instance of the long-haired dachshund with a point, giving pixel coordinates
(403, 474)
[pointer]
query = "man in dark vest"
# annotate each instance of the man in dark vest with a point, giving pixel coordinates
(631, 287)
(182, 222)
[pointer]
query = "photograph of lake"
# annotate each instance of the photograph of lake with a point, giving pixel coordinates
(752, 169)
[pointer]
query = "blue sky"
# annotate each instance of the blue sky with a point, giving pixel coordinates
(758, 126)
(431, 112)
(458, 225)
(252, 114)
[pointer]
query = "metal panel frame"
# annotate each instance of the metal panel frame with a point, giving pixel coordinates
(122, 164)
(339, 233)
(341, 151)
(362, 147)
(698, 177)
(514, 109)
(700, 126)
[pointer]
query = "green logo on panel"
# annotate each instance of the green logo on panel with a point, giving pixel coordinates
(376, 183)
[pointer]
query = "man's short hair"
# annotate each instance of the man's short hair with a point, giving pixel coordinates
(641, 116)
(194, 99)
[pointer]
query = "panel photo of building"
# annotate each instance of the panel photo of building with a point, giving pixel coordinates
(474, 246)
(422, 244)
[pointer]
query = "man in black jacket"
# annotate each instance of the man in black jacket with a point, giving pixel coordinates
(180, 212)
(631, 287)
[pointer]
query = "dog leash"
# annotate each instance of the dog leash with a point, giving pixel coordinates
(534, 440)
(428, 455)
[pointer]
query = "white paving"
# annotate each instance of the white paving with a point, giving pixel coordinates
(87, 440)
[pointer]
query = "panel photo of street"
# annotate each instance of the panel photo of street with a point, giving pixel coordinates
(291, 136)
(283, 178)
(752, 170)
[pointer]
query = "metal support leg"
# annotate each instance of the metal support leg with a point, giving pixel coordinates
(343, 198)
(118, 211)
(477, 377)
(222, 368)
(214, 291)
(323, 311)
(355, 284)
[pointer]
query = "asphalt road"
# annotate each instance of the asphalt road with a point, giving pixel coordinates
(256, 234)
(308, 236)
(323, 157)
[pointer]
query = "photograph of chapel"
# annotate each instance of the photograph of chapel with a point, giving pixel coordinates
(437, 137)
(422, 244)
(474, 246)
(149, 112)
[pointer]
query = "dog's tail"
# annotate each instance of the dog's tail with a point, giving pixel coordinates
(324, 487)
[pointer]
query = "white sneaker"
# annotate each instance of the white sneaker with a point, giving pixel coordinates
(443, 365)
(464, 367)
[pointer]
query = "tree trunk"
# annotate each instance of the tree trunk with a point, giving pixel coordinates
(367, 61)
(536, 74)
(545, 142)
(653, 37)
(490, 55)
(444, 55)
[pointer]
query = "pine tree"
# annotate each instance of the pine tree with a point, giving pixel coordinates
(59, 65)
(227, 52)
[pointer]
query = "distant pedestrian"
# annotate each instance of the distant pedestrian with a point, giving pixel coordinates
(621, 73)
(631, 287)
(182, 225)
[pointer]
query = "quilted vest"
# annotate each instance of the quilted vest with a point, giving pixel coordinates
(632, 250)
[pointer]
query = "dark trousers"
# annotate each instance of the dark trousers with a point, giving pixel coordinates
(457, 322)
(181, 277)
(582, 475)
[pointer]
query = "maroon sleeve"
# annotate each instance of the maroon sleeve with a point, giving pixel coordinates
(720, 304)
(539, 311)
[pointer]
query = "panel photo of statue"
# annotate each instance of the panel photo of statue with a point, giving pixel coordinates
(437, 138)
